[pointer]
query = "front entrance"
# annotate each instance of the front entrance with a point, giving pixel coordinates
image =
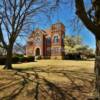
(37, 52)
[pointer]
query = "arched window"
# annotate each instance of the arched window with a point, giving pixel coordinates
(56, 39)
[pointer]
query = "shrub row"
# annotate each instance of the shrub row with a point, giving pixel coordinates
(73, 56)
(17, 59)
(76, 56)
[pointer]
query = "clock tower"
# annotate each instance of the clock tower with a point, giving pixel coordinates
(57, 41)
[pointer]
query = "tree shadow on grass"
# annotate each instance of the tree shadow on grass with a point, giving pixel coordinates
(16, 91)
(45, 89)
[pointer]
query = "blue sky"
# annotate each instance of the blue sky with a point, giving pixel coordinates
(66, 14)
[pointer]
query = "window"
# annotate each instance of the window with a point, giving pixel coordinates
(37, 41)
(48, 40)
(55, 39)
(58, 26)
(37, 34)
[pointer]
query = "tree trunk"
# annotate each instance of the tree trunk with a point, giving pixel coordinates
(8, 64)
(97, 68)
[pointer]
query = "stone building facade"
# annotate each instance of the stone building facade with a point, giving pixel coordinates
(47, 43)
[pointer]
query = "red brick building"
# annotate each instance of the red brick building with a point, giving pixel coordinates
(47, 43)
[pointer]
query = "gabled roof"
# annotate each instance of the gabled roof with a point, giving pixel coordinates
(46, 32)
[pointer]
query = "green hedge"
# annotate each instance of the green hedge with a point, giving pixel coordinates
(17, 59)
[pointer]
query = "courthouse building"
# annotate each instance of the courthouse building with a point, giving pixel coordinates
(47, 43)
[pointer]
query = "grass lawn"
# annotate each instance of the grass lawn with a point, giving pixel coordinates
(48, 80)
(66, 64)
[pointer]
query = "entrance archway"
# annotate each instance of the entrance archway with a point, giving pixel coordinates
(37, 52)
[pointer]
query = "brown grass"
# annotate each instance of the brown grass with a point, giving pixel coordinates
(48, 80)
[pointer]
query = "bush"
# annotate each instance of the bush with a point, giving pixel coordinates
(30, 59)
(18, 55)
(17, 59)
(23, 59)
(73, 56)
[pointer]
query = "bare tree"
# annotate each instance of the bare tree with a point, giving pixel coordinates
(19, 49)
(2, 50)
(91, 20)
(15, 17)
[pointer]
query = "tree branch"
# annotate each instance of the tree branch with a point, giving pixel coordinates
(2, 38)
(81, 12)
